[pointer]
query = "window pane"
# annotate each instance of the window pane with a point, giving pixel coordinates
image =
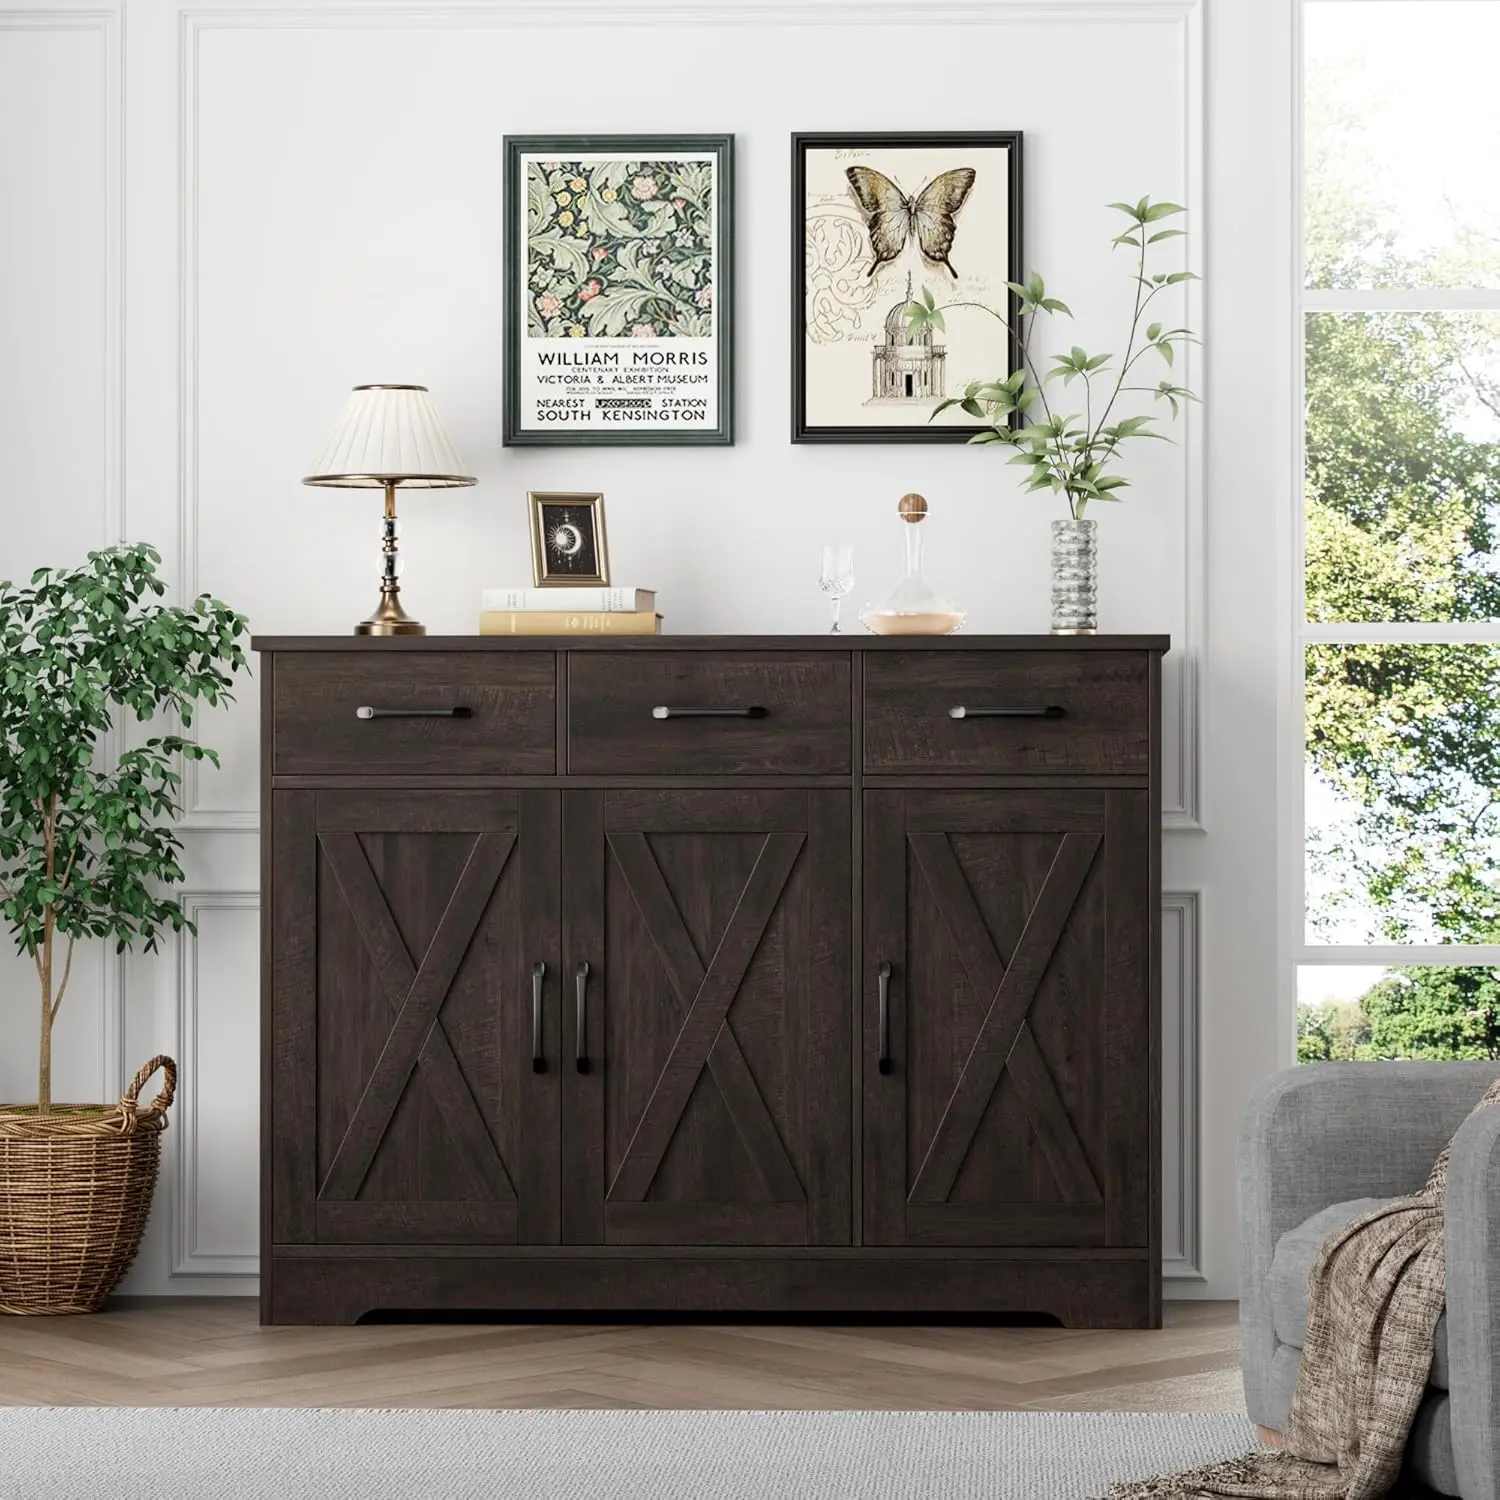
(1403, 466)
(1402, 126)
(1365, 1014)
(1403, 772)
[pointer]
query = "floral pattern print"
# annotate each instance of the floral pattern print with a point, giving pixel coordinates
(620, 249)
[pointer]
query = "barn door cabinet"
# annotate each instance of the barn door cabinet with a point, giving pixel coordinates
(765, 974)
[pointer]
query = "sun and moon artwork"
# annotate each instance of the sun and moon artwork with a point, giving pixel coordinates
(567, 538)
(877, 221)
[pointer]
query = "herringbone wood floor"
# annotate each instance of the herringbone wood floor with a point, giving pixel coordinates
(179, 1352)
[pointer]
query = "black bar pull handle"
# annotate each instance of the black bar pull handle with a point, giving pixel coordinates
(538, 1052)
(754, 711)
(884, 973)
(1050, 711)
(457, 712)
(581, 1051)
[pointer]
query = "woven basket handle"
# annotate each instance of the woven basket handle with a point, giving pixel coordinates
(158, 1107)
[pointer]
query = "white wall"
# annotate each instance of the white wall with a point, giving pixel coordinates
(218, 219)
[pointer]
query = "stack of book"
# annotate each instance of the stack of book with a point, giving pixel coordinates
(569, 610)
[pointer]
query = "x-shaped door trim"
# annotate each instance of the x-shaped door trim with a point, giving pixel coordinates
(703, 997)
(416, 994)
(1005, 1042)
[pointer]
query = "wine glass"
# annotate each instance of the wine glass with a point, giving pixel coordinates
(837, 577)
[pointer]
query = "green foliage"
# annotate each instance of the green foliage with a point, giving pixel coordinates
(1435, 1013)
(1069, 454)
(1407, 734)
(1399, 502)
(84, 851)
(1333, 1031)
(1432, 1012)
(1398, 491)
(1402, 485)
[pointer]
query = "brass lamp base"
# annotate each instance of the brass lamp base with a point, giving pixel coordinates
(390, 619)
(390, 627)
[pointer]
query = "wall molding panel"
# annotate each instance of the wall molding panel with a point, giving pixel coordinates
(188, 1259)
(104, 23)
(1184, 813)
(1181, 1000)
(59, 18)
(549, 14)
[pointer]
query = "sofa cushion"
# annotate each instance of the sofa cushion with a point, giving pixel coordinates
(1293, 1258)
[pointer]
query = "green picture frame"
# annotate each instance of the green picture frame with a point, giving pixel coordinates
(619, 290)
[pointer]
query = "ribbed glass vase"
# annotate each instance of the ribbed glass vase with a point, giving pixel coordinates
(1075, 577)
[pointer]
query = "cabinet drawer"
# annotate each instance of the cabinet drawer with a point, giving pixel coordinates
(699, 713)
(506, 723)
(1004, 712)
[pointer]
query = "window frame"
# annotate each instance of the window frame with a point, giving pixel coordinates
(1298, 633)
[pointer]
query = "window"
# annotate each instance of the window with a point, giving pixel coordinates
(1397, 618)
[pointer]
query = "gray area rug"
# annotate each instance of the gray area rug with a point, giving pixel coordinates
(208, 1453)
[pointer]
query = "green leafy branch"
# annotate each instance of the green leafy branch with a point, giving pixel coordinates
(1069, 453)
(86, 849)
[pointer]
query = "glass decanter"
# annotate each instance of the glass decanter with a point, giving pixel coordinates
(912, 608)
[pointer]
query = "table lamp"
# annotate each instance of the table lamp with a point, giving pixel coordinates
(389, 438)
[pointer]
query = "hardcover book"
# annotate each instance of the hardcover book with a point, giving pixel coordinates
(568, 622)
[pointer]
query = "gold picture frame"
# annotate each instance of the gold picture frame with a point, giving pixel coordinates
(568, 541)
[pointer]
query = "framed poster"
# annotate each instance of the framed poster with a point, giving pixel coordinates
(619, 282)
(877, 218)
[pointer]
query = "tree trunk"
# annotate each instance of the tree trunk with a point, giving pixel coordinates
(44, 1082)
(44, 1073)
(44, 964)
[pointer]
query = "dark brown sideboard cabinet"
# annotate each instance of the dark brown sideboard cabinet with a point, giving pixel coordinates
(756, 974)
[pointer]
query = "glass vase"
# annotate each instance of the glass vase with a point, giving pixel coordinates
(1075, 577)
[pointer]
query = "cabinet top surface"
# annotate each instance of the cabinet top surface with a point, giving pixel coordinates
(824, 642)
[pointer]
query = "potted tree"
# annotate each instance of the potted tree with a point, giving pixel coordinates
(87, 852)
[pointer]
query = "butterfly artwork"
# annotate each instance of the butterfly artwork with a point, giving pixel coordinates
(894, 219)
(880, 219)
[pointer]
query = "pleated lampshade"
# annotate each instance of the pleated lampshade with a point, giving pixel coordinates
(390, 434)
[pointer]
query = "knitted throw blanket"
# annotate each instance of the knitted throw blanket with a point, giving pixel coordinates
(1374, 1296)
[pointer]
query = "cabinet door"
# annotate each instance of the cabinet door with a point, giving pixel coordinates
(1016, 1107)
(405, 1106)
(708, 1103)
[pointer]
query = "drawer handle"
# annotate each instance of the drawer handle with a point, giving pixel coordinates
(538, 1054)
(661, 711)
(460, 712)
(1051, 711)
(884, 1062)
(581, 1050)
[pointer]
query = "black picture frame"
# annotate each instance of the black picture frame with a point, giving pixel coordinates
(721, 147)
(803, 431)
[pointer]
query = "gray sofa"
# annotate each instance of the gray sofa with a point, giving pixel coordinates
(1322, 1143)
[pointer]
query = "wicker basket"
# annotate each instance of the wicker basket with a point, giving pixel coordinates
(75, 1193)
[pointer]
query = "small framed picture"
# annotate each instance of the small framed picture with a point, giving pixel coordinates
(880, 220)
(567, 538)
(619, 289)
